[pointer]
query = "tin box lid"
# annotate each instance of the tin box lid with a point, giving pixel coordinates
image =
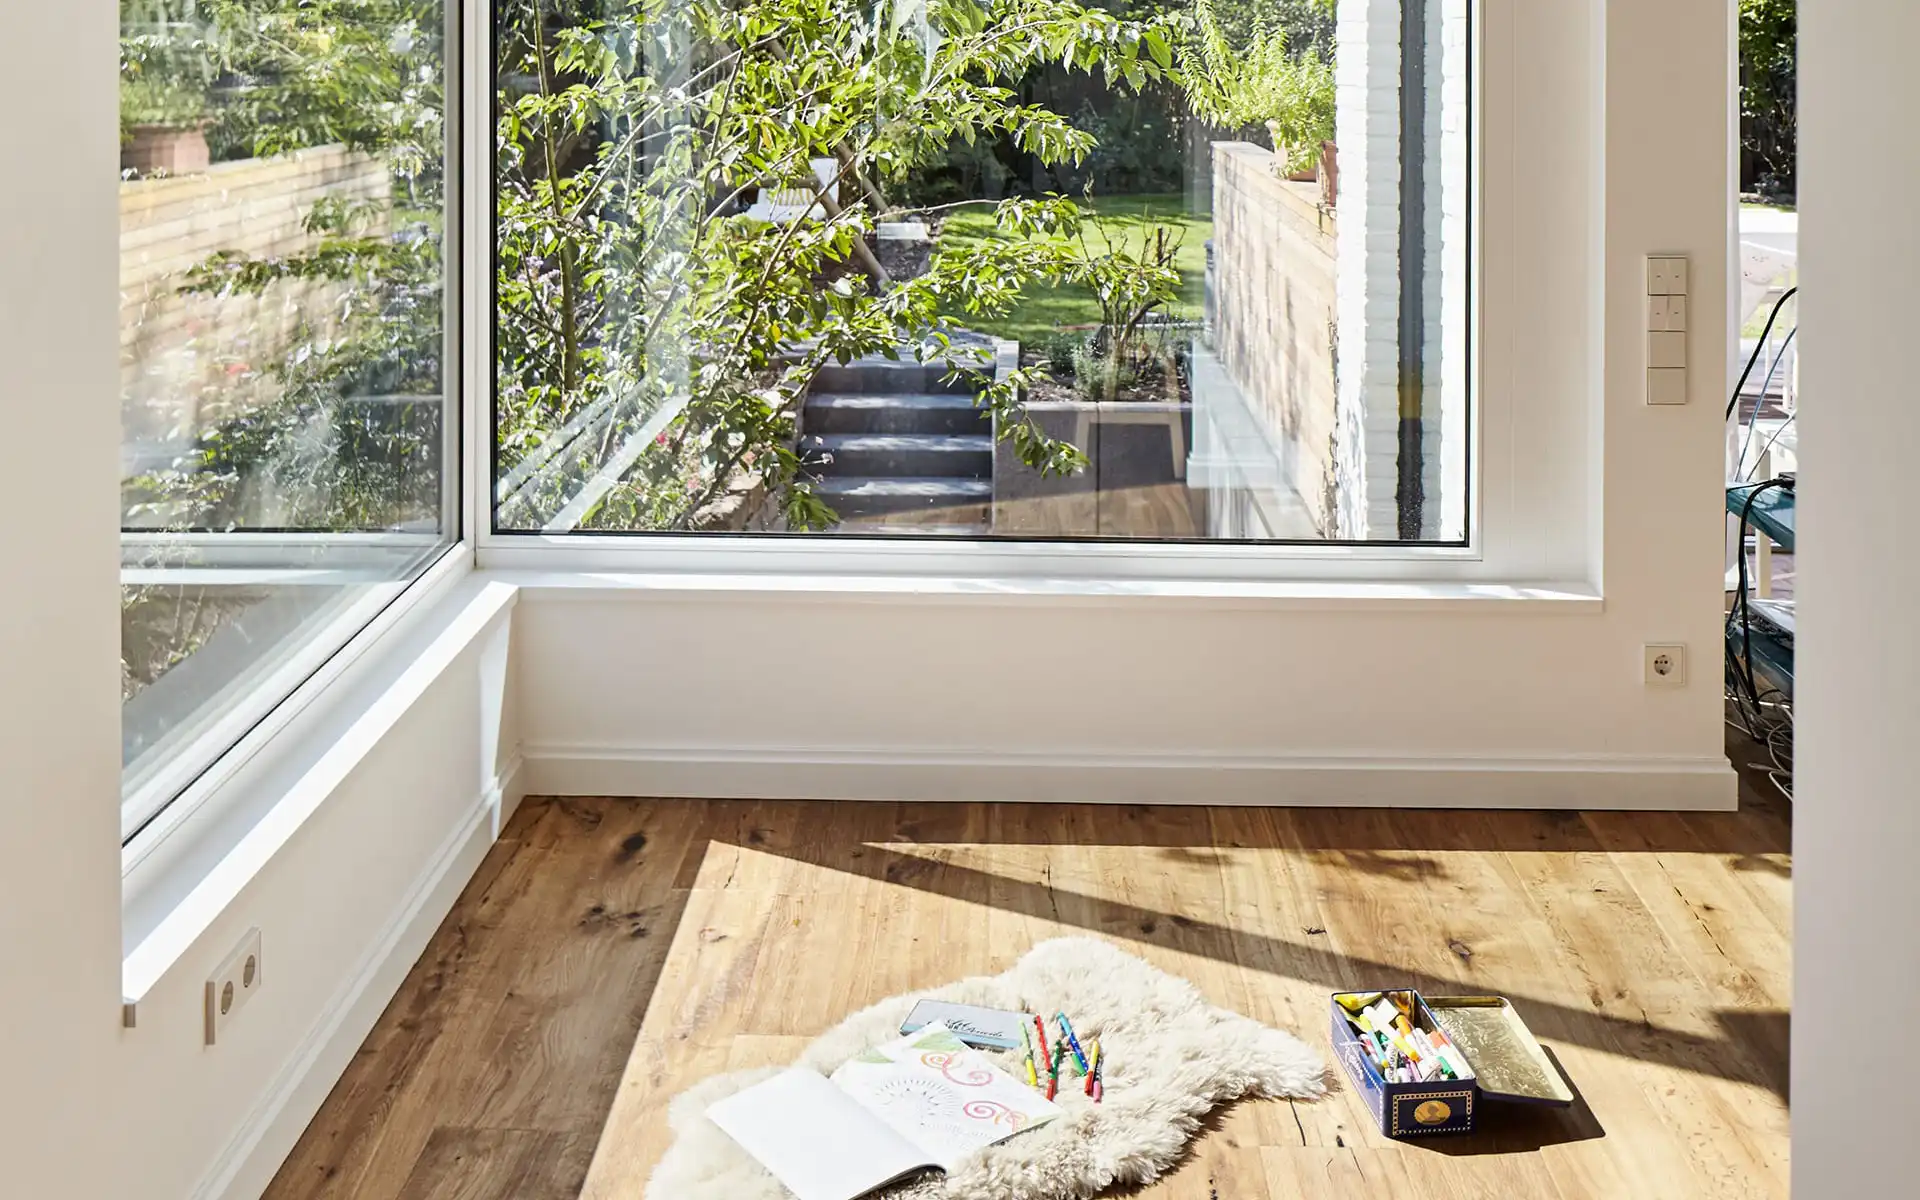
(1508, 1061)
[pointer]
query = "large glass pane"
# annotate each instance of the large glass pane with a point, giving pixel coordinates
(288, 440)
(1149, 269)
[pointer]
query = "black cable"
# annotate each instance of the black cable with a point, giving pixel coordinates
(1754, 358)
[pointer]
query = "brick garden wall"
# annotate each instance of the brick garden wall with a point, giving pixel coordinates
(1276, 298)
(187, 361)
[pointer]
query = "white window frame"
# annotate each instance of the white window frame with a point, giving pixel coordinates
(269, 694)
(1502, 547)
(370, 564)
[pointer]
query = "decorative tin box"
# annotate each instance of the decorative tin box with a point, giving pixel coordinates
(1508, 1064)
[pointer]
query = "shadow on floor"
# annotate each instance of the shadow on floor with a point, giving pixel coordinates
(1752, 1050)
(1508, 1128)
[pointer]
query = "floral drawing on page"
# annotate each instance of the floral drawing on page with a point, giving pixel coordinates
(996, 1114)
(943, 1096)
(958, 1069)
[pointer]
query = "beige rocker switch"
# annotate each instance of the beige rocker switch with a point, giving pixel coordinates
(1666, 329)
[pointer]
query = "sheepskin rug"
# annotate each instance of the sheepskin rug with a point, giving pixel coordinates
(1173, 1057)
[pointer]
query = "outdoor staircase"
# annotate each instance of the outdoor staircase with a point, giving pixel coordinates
(896, 449)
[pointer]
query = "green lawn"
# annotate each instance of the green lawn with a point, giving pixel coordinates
(1127, 220)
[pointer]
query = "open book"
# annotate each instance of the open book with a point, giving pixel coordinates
(924, 1101)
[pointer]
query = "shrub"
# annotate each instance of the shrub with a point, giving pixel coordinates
(1263, 83)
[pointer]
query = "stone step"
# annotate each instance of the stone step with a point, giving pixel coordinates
(943, 500)
(898, 454)
(871, 375)
(895, 412)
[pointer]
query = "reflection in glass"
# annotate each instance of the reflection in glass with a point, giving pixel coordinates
(1167, 269)
(283, 351)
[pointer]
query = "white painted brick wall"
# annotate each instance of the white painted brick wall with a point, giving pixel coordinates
(1367, 80)
(1444, 353)
(1367, 105)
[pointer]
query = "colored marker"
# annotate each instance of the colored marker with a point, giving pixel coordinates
(1073, 1043)
(1040, 1028)
(1099, 1074)
(1093, 1066)
(1033, 1077)
(1447, 1054)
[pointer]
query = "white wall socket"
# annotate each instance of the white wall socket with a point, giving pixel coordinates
(1666, 666)
(232, 985)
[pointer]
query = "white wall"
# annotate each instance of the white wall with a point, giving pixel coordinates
(1857, 816)
(384, 814)
(721, 692)
(90, 1110)
(59, 616)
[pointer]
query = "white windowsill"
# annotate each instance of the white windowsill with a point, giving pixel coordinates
(1312, 595)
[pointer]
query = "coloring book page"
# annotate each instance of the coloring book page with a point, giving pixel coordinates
(942, 1095)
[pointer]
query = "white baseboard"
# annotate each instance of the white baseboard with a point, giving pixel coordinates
(247, 1165)
(509, 789)
(767, 773)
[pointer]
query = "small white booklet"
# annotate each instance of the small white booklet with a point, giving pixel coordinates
(924, 1101)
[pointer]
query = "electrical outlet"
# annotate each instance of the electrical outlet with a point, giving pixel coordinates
(1666, 666)
(233, 984)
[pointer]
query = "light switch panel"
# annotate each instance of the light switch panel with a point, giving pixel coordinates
(1666, 385)
(1666, 329)
(1666, 351)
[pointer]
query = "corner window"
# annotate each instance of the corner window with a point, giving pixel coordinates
(289, 456)
(1146, 270)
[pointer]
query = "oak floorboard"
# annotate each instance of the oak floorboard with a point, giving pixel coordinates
(496, 1164)
(610, 953)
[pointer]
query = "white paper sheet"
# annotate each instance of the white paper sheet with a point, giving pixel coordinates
(815, 1138)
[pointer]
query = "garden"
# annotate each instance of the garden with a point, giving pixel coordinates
(656, 338)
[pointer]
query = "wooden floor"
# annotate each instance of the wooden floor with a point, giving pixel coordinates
(611, 952)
